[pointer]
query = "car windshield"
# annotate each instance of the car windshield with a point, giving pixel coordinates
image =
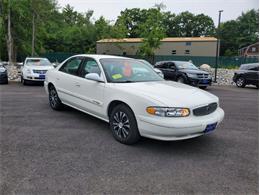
(38, 62)
(185, 65)
(146, 62)
(128, 70)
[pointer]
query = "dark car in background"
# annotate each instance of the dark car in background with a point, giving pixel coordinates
(3, 74)
(184, 72)
(248, 74)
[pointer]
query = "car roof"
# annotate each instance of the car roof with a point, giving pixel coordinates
(99, 56)
(34, 58)
(171, 61)
(251, 64)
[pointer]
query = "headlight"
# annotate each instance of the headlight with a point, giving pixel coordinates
(28, 71)
(168, 112)
(191, 75)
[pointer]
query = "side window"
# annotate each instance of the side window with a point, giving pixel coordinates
(256, 68)
(89, 66)
(172, 66)
(71, 66)
(164, 65)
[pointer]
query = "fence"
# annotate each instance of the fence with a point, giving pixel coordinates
(223, 61)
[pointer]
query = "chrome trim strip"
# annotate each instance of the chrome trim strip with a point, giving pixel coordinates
(92, 101)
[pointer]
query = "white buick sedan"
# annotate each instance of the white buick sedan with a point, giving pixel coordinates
(133, 98)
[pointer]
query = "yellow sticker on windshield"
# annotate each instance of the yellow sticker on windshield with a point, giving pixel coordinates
(117, 76)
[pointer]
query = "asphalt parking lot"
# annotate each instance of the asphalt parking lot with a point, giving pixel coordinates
(69, 152)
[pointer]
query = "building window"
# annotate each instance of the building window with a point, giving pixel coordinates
(188, 43)
(187, 51)
(253, 49)
(173, 52)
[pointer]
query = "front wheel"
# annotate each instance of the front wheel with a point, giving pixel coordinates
(123, 125)
(241, 82)
(202, 87)
(54, 99)
(23, 81)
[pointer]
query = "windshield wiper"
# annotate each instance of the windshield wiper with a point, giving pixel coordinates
(127, 81)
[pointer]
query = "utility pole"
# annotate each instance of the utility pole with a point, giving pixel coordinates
(218, 43)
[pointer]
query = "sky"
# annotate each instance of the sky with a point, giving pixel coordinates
(110, 9)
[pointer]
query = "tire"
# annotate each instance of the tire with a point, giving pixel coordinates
(24, 81)
(54, 99)
(241, 82)
(203, 87)
(181, 80)
(123, 125)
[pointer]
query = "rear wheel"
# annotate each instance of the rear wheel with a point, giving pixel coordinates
(241, 82)
(123, 125)
(54, 99)
(181, 80)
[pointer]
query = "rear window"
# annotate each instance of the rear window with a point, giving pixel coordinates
(38, 62)
(249, 67)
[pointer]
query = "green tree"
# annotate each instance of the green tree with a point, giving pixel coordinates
(152, 31)
(238, 33)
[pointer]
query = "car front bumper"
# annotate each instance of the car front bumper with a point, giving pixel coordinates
(34, 77)
(3, 78)
(199, 82)
(168, 129)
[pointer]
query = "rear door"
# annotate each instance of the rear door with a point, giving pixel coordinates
(66, 80)
(172, 71)
(164, 68)
(252, 75)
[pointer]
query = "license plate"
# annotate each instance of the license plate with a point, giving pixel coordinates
(204, 81)
(210, 127)
(42, 76)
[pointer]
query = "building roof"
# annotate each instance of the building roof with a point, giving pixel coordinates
(168, 39)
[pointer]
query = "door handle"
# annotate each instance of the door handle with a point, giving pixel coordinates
(77, 84)
(57, 79)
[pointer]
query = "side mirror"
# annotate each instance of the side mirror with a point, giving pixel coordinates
(173, 68)
(94, 77)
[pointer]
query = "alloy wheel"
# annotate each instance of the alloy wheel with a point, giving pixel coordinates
(53, 97)
(180, 80)
(121, 125)
(240, 82)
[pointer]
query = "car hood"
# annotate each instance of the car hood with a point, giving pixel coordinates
(157, 70)
(170, 93)
(193, 71)
(32, 67)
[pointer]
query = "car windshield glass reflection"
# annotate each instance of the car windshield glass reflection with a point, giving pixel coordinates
(38, 62)
(128, 70)
(185, 65)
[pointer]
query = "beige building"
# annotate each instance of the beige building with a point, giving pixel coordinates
(186, 46)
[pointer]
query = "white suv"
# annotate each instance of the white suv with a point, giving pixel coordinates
(34, 69)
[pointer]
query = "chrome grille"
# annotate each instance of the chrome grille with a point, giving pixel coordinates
(39, 71)
(203, 76)
(205, 110)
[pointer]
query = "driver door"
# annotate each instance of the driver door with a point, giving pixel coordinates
(90, 93)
